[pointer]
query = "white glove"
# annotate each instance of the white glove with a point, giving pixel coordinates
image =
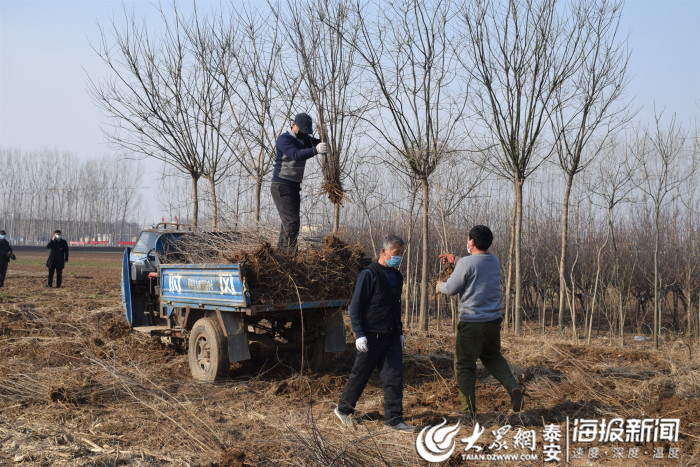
(361, 344)
(321, 148)
(403, 342)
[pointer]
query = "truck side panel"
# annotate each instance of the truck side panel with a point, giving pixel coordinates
(203, 286)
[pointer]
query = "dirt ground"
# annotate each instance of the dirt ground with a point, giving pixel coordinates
(77, 387)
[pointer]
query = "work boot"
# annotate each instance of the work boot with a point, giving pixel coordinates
(347, 420)
(516, 399)
(403, 426)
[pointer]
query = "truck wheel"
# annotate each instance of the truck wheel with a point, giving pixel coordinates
(208, 353)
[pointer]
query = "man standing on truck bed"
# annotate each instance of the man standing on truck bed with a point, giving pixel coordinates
(375, 315)
(57, 258)
(293, 149)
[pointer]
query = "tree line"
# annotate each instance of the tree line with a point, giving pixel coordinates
(428, 107)
(89, 200)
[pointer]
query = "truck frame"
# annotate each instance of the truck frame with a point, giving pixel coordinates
(208, 309)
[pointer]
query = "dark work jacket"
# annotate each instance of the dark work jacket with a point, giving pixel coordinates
(5, 251)
(58, 255)
(383, 314)
(292, 154)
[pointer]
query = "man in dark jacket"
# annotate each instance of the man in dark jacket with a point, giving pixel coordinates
(6, 255)
(57, 258)
(375, 316)
(293, 149)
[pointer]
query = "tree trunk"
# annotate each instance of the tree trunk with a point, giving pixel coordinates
(214, 204)
(195, 201)
(543, 312)
(689, 307)
(509, 280)
(517, 316)
(423, 319)
(409, 280)
(657, 310)
(407, 286)
(562, 259)
(616, 278)
(595, 293)
(336, 218)
(258, 189)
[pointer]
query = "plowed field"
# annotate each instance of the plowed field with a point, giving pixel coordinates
(78, 387)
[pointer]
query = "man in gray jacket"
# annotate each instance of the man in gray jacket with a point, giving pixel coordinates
(477, 280)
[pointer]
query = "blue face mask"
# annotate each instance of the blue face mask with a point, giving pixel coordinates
(3, 237)
(394, 262)
(58, 237)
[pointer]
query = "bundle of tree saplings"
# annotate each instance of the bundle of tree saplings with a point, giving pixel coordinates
(444, 274)
(323, 271)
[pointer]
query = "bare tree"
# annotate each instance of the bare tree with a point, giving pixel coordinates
(612, 186)
(519, 54)
(260, 87)
(456, 182)
(406, 49)
(683, 231)
(322, 33)
(217, 138)
(590, 108)
(668, 161)
(154, 94)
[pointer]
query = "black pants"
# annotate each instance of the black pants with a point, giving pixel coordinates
(59, 273)
(287, 200)
(3, 271)
(385, 354)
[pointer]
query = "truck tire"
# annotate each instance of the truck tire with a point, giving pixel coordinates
(208, 352)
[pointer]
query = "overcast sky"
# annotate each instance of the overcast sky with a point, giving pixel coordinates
(45, 54)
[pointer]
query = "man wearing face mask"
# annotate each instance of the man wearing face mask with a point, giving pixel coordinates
(375, 315)
(57, 258)
(6, 255)
(293, 149)
(477, 280)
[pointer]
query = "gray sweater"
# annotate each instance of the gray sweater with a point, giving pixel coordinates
(477, 280)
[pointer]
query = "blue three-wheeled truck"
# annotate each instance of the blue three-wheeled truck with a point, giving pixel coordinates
(207, 307)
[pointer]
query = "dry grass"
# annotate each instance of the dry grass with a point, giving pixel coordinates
(78, 388)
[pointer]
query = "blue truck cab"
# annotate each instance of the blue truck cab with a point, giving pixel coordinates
(207, 308)
(140, 261)
(149, 245)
